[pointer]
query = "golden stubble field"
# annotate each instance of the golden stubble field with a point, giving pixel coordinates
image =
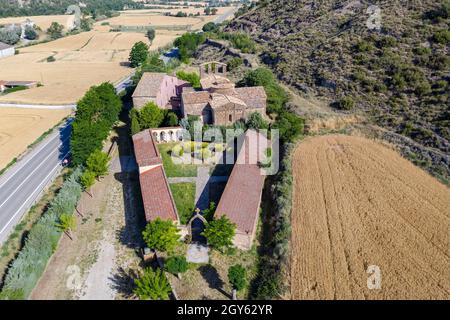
(42, 22)
(82, 60)
(356, 204)
(21, 127)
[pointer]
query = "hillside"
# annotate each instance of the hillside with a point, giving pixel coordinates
(398, 75)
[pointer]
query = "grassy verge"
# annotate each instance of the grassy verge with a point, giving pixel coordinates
(184, 196)
(172, 169)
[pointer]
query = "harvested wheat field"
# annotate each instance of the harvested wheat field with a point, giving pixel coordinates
(21, 127)
(82, 60)
(42, 22)
(356, 204)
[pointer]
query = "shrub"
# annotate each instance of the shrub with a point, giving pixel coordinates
(234, 63)
(150, 116)
(51, 59)
(30, 33)
(55, 30)
(191, 77)
(176, 265)
(256, 121)
(151, 34)
(346, 103)
(152, 285)
(442, 36)
(170, 119)
(97, 163)
(9, 36)
(210, 27)
(161, 235)
(237, 277)
(187, 44)
(220, 233)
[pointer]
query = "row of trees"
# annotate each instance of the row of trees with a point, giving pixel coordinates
(41, 241)
(96, 114)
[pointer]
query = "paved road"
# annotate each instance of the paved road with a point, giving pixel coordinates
(23, 183)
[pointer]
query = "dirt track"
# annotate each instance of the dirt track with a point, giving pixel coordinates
(356, 204)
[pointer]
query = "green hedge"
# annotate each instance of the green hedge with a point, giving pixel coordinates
(42, 240)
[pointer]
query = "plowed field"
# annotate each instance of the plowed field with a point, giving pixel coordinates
(358, 204)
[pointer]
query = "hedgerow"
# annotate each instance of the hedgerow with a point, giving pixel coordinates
(42, 240)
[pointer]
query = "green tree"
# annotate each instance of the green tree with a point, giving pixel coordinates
(161, 235)
(86, 24)
(207, 11)
(176, 265)
(55, 30)
(191, 77)
(256, 121)
(96, 113)
(220, 233)
(150, 116)
(210, 27)
(290, 125)
(170, 119)
(152, 285)
(97, 162)
(151, 34)
(30, 33)
(135, 127)
(214, 11)
(237, 275)
(9, 36)
(87, 179)
(67, 223)
(138, 54)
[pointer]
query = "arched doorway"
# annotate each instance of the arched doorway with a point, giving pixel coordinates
(196, 226)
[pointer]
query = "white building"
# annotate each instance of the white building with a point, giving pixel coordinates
(6, 50)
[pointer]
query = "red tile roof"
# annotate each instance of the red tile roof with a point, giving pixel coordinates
(145, 149)
(156, 195)
(241, 198)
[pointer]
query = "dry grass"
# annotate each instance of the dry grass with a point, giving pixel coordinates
(356, 204)
(43, 22)
(21, 127)
(82, 61)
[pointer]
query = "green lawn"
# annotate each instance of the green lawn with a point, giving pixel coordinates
(172, 169)
(184, 196)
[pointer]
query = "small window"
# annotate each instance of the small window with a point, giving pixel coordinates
(230, 118)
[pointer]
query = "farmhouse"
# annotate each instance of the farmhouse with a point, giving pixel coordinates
(6, 50)
(159, 88)
(156, 195)
(218, 102)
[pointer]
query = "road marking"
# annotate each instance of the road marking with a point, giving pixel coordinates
(24, 180)
(37, 151)
(25, 202)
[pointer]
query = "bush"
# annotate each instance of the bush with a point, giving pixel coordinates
(170, 119)
(176, 265)
(97, 163)
(237, 277)
(9, 36)
(346, 103)
(150, 116)
(191, 77)
(234, 63)
(55, 30)
(187, 45)
(442, 36)
(41, 242)
(210, 27)
(151, 34)
(256, 121)
(152, 285)
(161, 235)
(51, 59)
(220, 233)
(30, 33)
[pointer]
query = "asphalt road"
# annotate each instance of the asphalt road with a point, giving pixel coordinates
(24, 182)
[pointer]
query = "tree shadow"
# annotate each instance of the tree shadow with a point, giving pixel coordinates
(123, 282)
(212, 277)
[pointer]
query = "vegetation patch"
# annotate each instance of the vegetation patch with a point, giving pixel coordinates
(184, 196)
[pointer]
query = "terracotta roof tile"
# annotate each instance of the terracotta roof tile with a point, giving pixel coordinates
(196, 97)
(241, 198)
(156, 195)
(145, 149)
(149, 85)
